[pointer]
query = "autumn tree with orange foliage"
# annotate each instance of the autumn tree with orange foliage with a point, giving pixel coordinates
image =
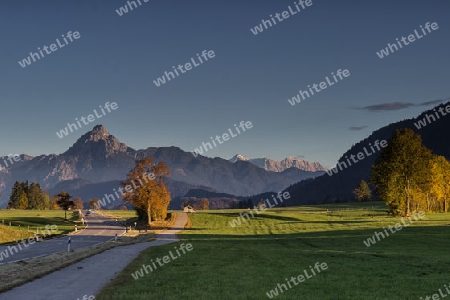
(78, 202)
(149, 194)
(94, 203)
(203, 204)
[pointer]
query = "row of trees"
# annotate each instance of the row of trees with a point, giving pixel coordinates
(31, 196)
(150, 199)
(409, 177)
(25, 196)
(242, 204)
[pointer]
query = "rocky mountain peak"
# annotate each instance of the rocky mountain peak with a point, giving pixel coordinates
(99, 132)
(238, 157)
(98, 141)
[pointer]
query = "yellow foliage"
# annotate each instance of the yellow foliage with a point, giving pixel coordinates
(151, 194)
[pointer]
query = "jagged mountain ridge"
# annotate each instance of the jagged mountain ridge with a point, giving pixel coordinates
(97, 158)
(279, 166)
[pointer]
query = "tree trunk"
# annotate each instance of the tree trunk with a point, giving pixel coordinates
(149, 214)
(408, 210)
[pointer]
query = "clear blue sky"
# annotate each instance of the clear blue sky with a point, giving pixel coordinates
(250, 78)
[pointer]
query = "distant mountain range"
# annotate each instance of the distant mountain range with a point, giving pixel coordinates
(280, 166)
(339, 187)
(97, 162)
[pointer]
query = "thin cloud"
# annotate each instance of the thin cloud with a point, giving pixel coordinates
(357, 128)
(389, 106)
(430, 102)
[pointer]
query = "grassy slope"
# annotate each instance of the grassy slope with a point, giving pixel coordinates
(33, 218)
(247, 262)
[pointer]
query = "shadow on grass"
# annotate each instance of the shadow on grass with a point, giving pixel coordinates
(334, 221)
(261, 216)
(33, 221)
(406, 234)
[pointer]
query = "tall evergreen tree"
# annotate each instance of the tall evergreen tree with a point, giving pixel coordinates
(25, 186)
(14, 199)
(36, 199)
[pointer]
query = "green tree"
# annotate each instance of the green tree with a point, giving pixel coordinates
(363, 192)
(64, 202)
(36, 198)
(53, 202)
(401, 170)
(446, 181)
(25, 186)
(46, 200)
(14, 199)
(23, 200)
(439, 184)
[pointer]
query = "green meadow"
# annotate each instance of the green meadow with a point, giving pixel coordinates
(123, 214)
(248, 261)
(25, 222)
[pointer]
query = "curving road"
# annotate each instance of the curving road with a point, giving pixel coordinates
(89, 276)
(99, 230)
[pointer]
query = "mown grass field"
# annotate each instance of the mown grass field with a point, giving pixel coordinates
(34, 219)
(248, 261)
(125, 214)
